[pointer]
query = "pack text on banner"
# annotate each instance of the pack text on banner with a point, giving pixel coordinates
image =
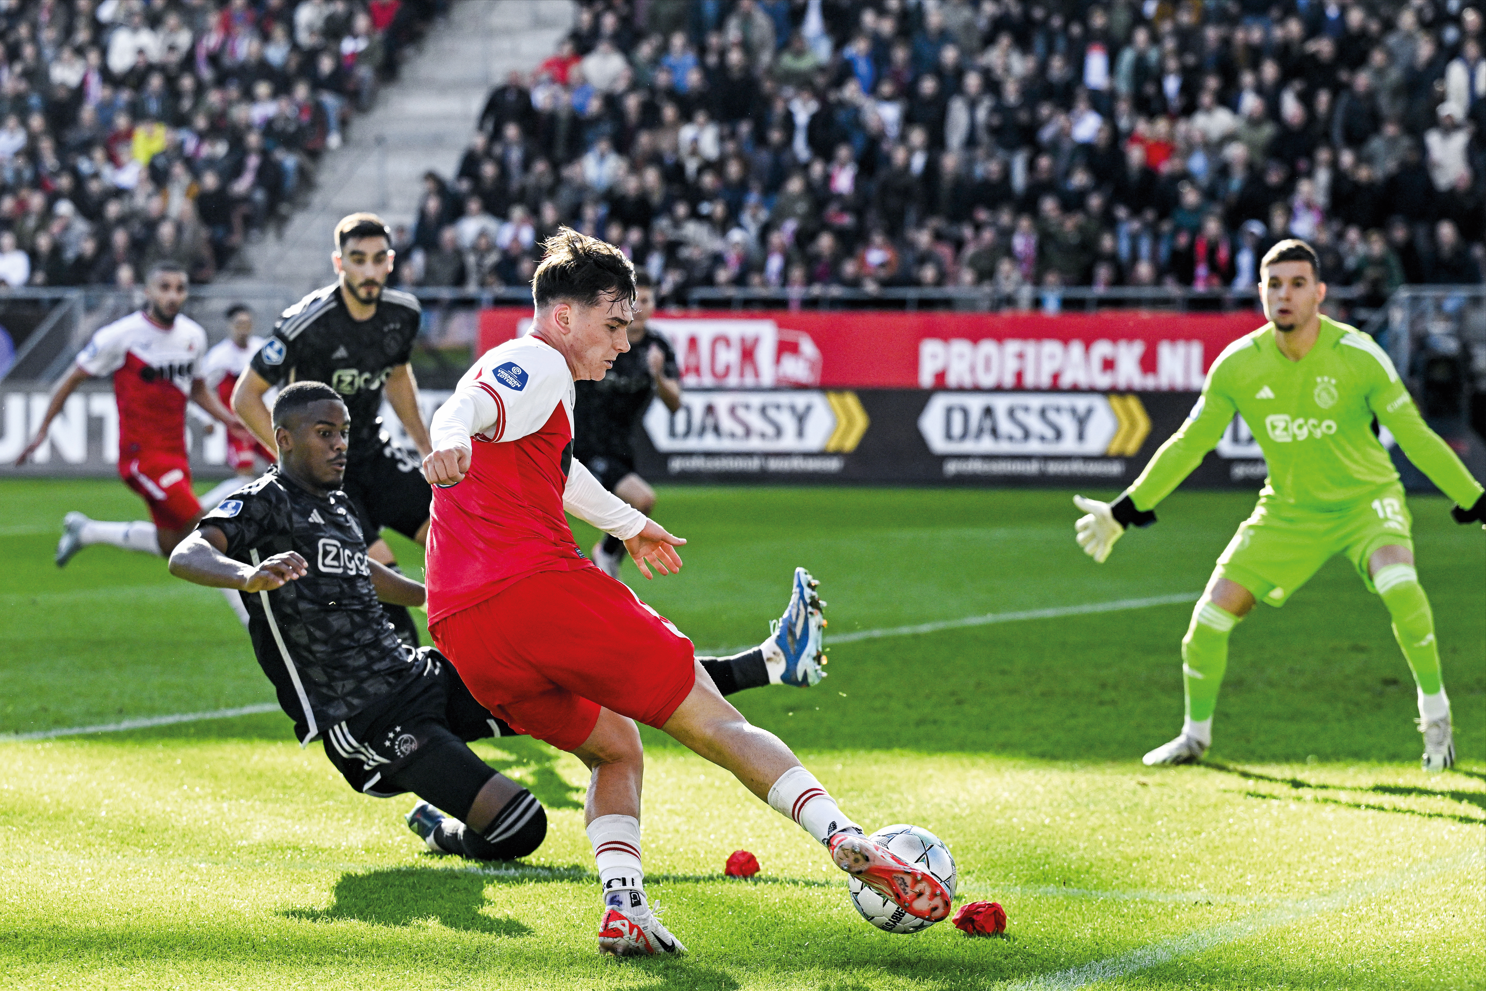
(1112, 350)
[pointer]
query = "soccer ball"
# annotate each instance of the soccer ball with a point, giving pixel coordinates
(922, 849)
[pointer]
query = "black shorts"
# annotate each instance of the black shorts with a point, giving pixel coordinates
(609, 468)
(431, 712)
(389, 490)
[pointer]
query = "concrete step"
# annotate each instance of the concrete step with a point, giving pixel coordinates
(421, 122)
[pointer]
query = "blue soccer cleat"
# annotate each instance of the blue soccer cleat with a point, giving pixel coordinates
(425, 820)
(798, 633)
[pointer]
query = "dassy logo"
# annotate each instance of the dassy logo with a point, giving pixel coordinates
(170, 370)
(1284, 428)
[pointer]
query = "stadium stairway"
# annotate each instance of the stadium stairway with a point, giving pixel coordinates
(422, 121)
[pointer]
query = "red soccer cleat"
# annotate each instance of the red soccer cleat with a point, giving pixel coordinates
(916, 891)
(635, 932)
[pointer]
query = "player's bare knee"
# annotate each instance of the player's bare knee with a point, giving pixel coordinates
(615, 740)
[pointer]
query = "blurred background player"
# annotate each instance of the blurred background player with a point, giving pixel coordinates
(548, 642)
(394, 720)
(357, 336)
(154, 356)
(1310, 389)
(608, 412)
(225, 362)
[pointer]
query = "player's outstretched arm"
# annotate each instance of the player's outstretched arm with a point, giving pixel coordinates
(248, 404)
(1431, 455)
(200, 559)
(64, 389)
(205, 396)
(394, 588)
(402, 392)
(654, 548)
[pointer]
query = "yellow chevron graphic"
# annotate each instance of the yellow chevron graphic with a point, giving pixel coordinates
(851, 422)
(1134, 427)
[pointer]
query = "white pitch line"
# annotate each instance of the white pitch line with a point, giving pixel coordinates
(144, 723)
(919, 629)
(1125, 964)
(991, 619)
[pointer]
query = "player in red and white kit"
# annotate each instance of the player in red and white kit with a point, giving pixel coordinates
(550, 643)
(246, 456)
(154, 357)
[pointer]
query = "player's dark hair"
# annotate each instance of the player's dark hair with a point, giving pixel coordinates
(299, 396)
(237, 308)
(358, 225)
(1292, 250)
(580, 269)
(162, 266)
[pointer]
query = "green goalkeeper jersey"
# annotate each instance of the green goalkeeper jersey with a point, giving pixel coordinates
(1313, 421)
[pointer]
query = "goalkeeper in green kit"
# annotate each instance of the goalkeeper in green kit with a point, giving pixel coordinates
(1309, 388)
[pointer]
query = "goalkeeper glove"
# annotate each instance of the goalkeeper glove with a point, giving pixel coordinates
(1476, 514)
(1105, 523)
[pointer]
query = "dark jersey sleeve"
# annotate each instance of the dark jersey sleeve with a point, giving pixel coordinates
(255, 517)
(274, 359)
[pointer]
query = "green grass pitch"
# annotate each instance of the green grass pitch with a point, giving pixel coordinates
(1310, 852)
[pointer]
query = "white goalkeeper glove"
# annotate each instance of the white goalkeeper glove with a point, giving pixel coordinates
(1105, 523)
(1096, 531)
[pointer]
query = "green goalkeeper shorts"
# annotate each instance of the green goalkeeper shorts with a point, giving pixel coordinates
(1279, 547)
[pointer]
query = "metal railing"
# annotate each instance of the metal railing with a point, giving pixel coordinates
(1436, 336)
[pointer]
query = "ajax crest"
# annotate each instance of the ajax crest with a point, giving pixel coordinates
(1325, 394)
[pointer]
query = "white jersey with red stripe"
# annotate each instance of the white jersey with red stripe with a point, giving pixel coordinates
(152, 368)
(506, 520)
(225, 362)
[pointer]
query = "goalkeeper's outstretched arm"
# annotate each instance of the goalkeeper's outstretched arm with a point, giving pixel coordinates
(1103, 523)
(1431, 455)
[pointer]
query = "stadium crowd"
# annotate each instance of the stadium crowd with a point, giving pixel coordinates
(1002, 143)
(135, 131)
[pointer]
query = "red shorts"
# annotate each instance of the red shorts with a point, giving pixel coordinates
(244, 451)
(164, 481)
(545, 653)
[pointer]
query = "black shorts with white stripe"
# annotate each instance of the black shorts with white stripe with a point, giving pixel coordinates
(432, 712)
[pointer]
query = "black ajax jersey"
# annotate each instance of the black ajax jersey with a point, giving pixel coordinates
(316, 340)
(606, 412)
(323, 640)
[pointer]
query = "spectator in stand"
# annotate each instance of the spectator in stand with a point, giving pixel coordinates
(185, 124)
(738, 147)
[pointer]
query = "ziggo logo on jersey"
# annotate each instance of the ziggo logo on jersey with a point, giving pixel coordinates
(1284, 428)
(337, 559)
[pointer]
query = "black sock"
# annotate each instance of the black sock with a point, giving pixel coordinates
(400, 618)
(733, 674)
(516, 831)
(612, 544)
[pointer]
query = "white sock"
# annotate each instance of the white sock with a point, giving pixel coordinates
(214, 496)
(136, 536)
(773, 660)
(1200, 730)
(800, 797)
(235, 600)
(616, 849)
(1433, 708)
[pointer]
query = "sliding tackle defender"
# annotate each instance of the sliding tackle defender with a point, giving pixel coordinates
(1309, 388)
